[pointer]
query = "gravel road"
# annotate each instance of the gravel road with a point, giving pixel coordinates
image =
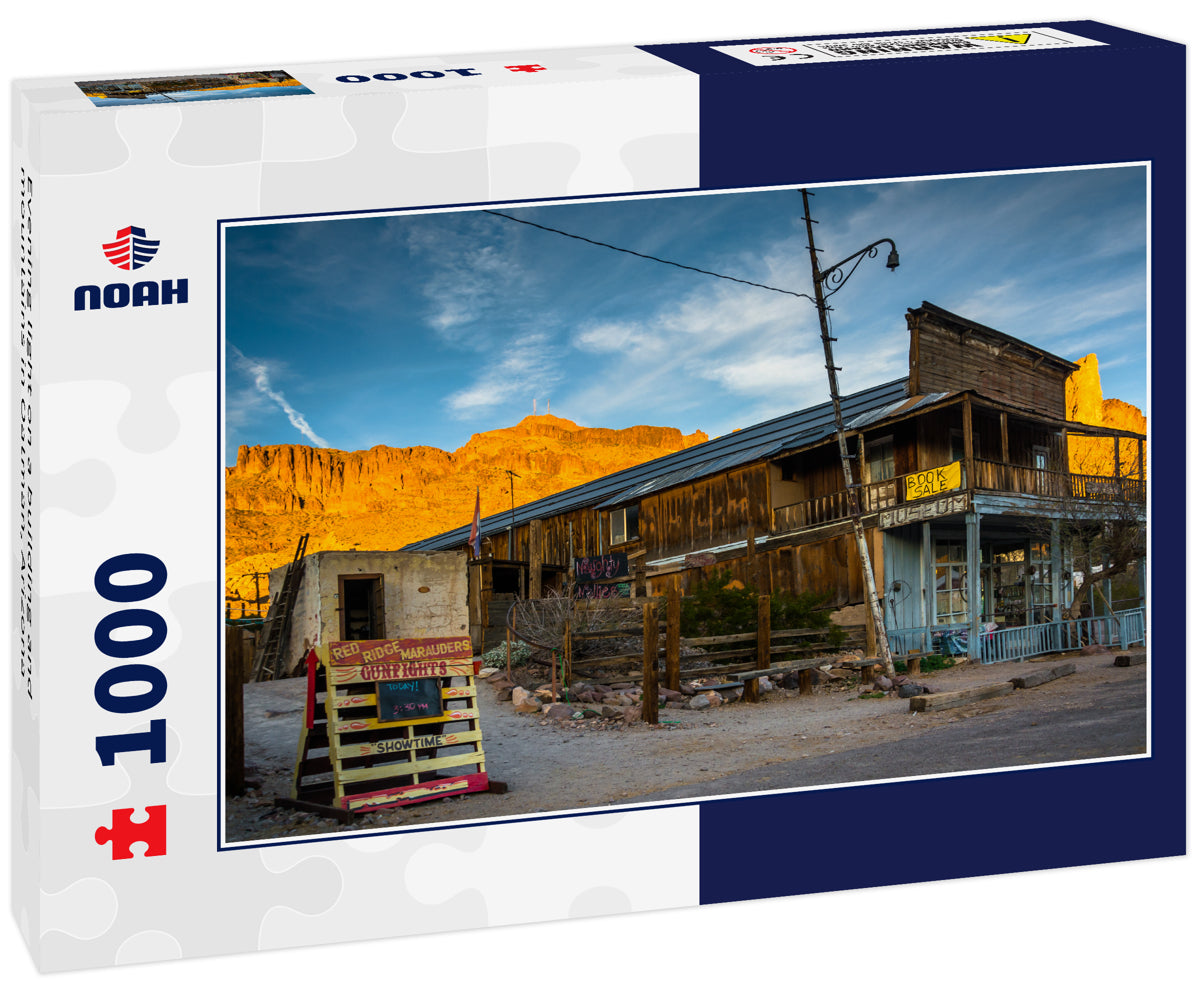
(782, 742)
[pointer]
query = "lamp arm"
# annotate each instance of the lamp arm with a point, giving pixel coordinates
(833, 277)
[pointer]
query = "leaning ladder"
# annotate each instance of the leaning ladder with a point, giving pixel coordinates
(279, 618)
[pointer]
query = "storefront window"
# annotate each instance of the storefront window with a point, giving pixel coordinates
(950, 582)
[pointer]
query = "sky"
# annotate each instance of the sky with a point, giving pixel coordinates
(424, 329)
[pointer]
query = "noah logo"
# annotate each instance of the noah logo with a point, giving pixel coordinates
(131, 250)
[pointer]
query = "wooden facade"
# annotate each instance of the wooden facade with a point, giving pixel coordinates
(981, 404)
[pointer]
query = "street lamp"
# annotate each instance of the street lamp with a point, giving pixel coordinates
(833, 279)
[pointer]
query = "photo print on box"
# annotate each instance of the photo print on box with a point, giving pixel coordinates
(474, 424)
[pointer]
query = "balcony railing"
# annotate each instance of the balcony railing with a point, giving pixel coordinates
(1005, 478)
(1001, 478)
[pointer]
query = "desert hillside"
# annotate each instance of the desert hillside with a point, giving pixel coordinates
(386, 497)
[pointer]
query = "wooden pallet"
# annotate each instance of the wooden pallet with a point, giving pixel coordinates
(389, 722)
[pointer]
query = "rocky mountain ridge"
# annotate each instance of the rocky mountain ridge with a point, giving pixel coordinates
(386, 497)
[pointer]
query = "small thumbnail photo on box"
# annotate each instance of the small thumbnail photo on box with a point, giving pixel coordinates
(207, 87)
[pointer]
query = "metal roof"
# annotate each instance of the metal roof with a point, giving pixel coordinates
(791, 431)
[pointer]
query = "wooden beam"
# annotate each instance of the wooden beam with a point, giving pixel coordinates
(535, 558)
(1043, 675)
(1004, 438)
(673, 611)
(763, 648)
(968, 441)
(650, 663)
(961, 697)
(235, 742)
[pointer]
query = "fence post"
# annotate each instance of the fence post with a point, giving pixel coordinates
(673, 628)
(914, 663)
(235, 747)
(762, 648)
(566, 653)
(650, 663)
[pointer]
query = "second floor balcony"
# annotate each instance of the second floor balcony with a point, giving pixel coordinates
(976, 475)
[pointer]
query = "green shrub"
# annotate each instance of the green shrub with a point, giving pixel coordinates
(936, 662)
(497, 657)
(713, 610)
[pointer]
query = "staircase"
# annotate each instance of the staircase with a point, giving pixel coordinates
(279, 618)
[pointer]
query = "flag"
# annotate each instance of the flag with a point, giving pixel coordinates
(473, 539)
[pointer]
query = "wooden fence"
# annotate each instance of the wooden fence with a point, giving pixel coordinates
(745, 657)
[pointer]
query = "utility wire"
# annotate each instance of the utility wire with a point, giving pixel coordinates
(649, 257)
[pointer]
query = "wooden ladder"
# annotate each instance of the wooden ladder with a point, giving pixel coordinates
(279, 618)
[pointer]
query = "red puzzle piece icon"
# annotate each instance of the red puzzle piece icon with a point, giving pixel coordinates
(124, 832)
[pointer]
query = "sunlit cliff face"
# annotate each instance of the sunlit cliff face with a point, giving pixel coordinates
(1086, 404)
(384, 498)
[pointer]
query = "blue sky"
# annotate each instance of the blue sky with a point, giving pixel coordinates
(423, 329)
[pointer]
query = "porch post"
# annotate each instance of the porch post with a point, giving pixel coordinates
(928, 584)
(973, 557)
(1056, 576)
(968, 444)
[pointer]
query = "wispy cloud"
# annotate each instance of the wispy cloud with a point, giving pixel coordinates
(526, 365)
(258, 372)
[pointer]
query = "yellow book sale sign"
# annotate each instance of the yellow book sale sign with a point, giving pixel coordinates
(930, 482)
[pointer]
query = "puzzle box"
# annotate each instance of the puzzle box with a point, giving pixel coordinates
(121, 539)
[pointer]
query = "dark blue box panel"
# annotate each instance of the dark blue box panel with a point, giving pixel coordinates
(913, 116)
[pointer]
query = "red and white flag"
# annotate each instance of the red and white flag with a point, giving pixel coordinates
(473, 539)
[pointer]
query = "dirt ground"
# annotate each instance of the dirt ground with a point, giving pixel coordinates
(551, 766)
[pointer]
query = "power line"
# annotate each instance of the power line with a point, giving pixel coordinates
(648, 257)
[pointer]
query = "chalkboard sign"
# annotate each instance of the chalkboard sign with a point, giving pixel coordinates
(409, 699)
(594, 576)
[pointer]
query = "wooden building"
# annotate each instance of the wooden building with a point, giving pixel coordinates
(961, 473)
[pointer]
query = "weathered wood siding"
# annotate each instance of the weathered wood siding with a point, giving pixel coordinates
(709, 512)
(943, 357)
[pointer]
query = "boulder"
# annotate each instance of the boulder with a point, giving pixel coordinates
(632, 714)
(558, 711)
(700, 702)
(909, 689)
(525, 702)
(884, 683)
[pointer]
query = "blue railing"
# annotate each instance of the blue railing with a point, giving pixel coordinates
(1015, 642)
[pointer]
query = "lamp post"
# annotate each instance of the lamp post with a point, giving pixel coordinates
(832, 279)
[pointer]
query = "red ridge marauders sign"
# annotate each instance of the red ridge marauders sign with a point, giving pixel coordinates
(419, 711)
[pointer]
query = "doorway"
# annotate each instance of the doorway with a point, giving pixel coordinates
(360, 604)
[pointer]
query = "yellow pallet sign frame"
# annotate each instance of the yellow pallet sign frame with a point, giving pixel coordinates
(378, 763)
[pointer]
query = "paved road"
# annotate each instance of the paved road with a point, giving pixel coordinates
(986, 735)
